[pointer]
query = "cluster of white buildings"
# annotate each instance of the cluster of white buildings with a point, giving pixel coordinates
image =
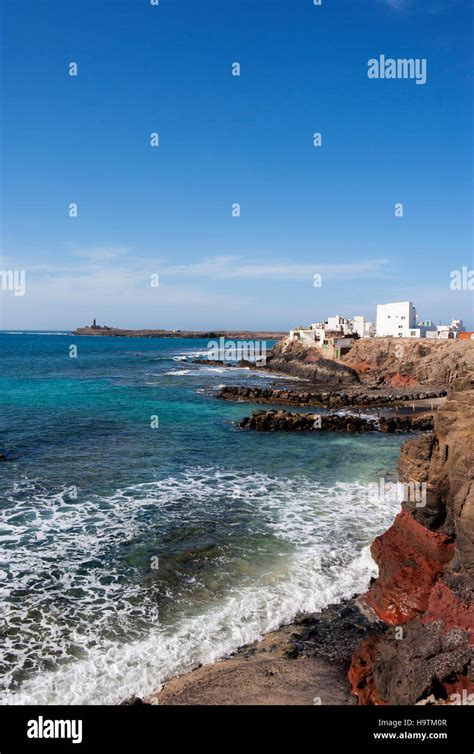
(400, 320)
(397, 320)
(337, 325)
(335, 336)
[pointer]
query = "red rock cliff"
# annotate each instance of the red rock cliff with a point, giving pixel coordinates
(426, 572)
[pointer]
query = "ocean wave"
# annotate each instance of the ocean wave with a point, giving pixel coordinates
(194, 372)
(178, 372)
(320, 540)
(193, 354)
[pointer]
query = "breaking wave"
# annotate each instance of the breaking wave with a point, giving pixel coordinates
(95, 626)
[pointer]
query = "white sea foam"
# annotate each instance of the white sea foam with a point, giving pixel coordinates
(321, 555)
(177, 372)
(233, 372)
(33, 332)
(194, 372)
(193, 354)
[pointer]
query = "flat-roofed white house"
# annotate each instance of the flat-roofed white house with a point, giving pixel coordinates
(424, 330)
(363, 328)
(452, 330)
(396, 319)
(338, 324)
(306, 334)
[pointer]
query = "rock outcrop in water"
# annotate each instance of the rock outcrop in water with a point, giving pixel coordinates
(309, 396)
(285, 421)
(426, 573)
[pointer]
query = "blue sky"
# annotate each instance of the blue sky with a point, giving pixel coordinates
(225, 139)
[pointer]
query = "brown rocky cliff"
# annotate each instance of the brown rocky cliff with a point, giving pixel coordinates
(378, 362)
(426, 572)
(306, 360)
(401, 362)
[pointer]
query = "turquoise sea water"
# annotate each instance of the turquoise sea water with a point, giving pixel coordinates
(132, 553)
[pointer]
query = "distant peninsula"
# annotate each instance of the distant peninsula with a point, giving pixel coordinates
(116, 332)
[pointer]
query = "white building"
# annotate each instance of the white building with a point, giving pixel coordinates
(452, 330)
(396, 319)
(319, 330)
(363, 328)
(423, 330)
(306, 334)
(338, 324)
(343, 326)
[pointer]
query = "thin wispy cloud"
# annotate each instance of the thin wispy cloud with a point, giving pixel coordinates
(101, 255)
(112, 283)
(126, 263)
(234, 267)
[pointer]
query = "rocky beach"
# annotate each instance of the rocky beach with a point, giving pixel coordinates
(305, 662)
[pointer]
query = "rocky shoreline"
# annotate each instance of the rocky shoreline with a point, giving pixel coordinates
(285, 421)
(410, 638)
(305, 662)
(426, 573)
